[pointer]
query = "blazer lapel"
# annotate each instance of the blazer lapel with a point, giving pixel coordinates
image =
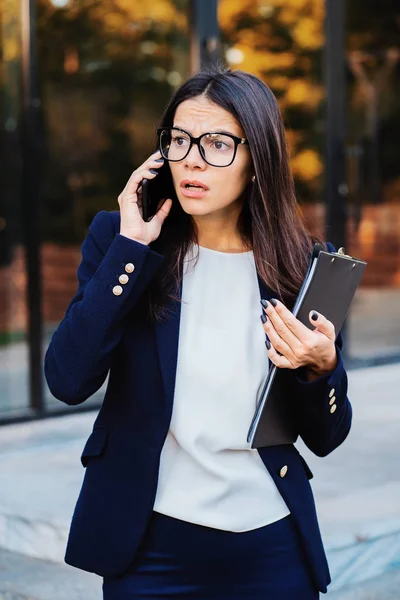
(167, 336)
(265, 292)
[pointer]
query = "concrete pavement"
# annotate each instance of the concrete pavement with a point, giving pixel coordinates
(373, 323)
(357, 487)
(384, 587)
(357, 490)
(25, 578)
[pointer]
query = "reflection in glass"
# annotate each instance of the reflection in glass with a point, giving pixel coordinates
(282, 42)
(373, 51)
(14, 393)
(107, 70)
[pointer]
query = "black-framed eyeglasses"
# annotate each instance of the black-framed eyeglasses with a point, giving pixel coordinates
(217, 149)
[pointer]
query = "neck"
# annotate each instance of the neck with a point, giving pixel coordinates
(219, 232)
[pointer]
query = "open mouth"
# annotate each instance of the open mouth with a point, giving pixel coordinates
(195, 186)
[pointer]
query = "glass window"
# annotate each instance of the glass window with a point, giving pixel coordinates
(107, 70)
(373, 96)
(282, 42)
(14, 391)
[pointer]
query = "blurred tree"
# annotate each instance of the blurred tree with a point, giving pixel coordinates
(374, 106)
(107, 70)
(10, 150)
(281, 41)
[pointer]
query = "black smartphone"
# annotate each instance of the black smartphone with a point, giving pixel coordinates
(156, 191)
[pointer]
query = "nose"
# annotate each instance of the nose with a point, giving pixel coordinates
(194, 159)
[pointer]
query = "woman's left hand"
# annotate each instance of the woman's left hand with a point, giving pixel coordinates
(293, 345)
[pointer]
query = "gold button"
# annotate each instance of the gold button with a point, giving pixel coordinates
(129, 268)
(333, 408)
(123, 279)
(332, 400)
(117, 290)
(283, 471)
(331, 392)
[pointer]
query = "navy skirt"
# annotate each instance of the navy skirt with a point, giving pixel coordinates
(178, 559)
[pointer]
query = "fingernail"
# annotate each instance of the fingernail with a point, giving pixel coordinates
(314, 315)
(159, 160)
(264, 303)
(154, 171)
(264, 318)
(273, 302)
(268, 344)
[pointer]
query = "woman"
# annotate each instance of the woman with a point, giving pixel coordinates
(174, 503)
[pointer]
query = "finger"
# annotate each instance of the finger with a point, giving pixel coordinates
(135, 181)
(151, 163)
(296, 327)
(280, 361)
(278, 342)
(163, 212)
(322, 324)
(150, 160)
(140, 174)
(281, 328)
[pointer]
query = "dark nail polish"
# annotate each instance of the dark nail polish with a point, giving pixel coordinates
(314, 316)
(273, 302)
(268, 344)
(154, 171)
(264, 303)
(159, 160)
(264, 318)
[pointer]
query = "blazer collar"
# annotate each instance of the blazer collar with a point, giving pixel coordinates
(167, 336)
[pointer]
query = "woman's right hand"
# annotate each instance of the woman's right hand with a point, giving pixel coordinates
(132, 224)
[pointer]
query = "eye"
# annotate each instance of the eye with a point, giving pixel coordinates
(218, 142)
(179, 140)
(218, 145)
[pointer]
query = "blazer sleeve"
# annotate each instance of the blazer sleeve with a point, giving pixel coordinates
(80, 352)
(324, 411)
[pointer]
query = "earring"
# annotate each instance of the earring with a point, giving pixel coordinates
(253, 178)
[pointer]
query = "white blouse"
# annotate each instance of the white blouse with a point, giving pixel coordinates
(209, 475)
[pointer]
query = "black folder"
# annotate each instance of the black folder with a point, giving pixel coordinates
(329, 287)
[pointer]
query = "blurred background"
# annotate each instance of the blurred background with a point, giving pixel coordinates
(83, 84)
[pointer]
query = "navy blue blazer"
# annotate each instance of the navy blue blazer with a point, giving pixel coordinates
(102, 333)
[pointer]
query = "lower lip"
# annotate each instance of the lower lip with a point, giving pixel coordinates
(193, 193)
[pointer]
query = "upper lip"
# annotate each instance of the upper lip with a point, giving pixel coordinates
(193, 182)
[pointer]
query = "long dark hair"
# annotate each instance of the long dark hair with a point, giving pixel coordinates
(270, 222)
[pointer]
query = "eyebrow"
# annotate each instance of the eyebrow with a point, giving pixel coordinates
(215, 131)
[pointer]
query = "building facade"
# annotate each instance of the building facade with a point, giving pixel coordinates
(83, 86)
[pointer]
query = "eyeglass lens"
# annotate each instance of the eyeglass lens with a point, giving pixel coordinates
(218, 149)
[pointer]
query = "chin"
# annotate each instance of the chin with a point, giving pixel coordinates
(195, 210)
(194, 206)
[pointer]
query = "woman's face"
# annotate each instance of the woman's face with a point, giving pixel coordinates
(225, 185)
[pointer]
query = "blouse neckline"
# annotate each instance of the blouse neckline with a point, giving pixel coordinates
(225, 253)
